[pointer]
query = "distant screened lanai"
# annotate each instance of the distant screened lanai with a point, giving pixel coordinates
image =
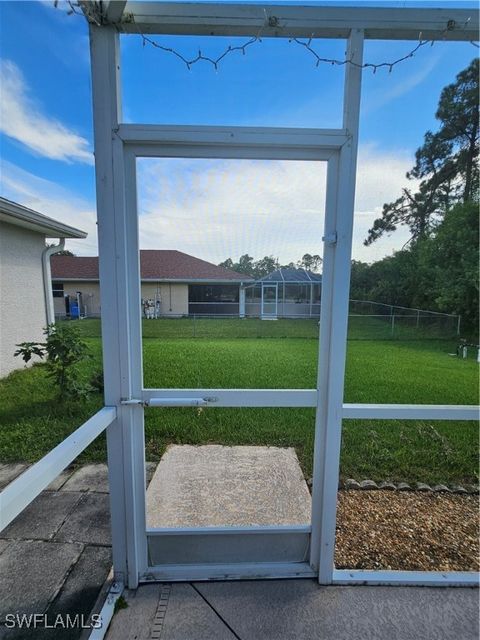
(285, 293)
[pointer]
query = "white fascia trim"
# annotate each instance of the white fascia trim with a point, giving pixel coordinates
(17, 214)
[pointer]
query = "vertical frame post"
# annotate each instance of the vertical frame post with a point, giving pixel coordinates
(120, 302)
(334, 322)
(241, 301)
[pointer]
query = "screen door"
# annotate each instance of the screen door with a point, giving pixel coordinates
(233, 551)
(269, 300)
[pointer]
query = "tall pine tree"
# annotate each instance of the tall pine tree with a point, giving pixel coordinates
(446, 164)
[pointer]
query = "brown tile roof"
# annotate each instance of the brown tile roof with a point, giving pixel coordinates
(155, 264)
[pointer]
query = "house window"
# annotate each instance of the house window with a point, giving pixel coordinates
(57, 289)
(212, 293)
(213, 300)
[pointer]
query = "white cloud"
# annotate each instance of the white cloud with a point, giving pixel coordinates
(54, 201)
(22, 119)
(216, 209)
(382, 96)
(380, 178)
(219, 209)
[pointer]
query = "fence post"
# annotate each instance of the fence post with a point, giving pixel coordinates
(393, 324)
(418, 318)
(458, 325)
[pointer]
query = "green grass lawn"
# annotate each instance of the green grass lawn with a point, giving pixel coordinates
(269, 354)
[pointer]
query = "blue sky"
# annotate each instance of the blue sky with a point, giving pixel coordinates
(213, 209)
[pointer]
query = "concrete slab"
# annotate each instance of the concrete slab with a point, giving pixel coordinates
(91, 477)
(136, 621)
(43, 517)
(83, 584)
(216, 485)
(60, 480)
(3, 545)
(89, 522)
(295, 609)
(170, 612)
(201, 622)
(301, 609)
(32, 573)
(9, 472)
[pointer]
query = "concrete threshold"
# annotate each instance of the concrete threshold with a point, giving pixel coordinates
(215, 485)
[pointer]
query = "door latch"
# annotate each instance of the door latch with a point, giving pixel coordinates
(330, 238)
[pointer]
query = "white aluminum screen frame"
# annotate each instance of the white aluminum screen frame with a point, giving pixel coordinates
(116, 146)
(216, 143)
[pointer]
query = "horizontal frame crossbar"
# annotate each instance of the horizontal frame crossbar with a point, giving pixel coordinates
(19, 493)
(242, 571)
(241, 136)
(228, 545)
(219, 531)
(307, 398)
(406, 578)
(233, 152)
(286, 21)
(251, 143)
(410, 412)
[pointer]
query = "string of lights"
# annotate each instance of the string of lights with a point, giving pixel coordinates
(200, 57)
(189, 62)
(365, 65)
(85, 8)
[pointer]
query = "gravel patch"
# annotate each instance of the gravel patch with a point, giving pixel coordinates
(407, 531)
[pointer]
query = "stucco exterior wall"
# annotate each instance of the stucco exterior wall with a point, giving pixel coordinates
(90, 296)
(22, 302)
(174, 297)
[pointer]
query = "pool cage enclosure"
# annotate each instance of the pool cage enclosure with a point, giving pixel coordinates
(285, 293)
(141, 554)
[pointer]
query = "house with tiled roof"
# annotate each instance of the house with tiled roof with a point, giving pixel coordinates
(173, 284)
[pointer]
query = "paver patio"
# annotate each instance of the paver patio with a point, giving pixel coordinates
(55, 556)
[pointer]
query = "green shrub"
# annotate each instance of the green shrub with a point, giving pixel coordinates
(63, 349)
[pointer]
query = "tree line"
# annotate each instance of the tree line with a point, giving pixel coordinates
(438, 267)
(260, 268)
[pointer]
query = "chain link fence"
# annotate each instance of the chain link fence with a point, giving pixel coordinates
(367, 321)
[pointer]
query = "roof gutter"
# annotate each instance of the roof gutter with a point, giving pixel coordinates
(47, 278)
